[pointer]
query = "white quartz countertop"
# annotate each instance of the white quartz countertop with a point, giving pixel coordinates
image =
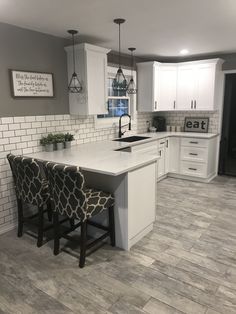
(102, 157)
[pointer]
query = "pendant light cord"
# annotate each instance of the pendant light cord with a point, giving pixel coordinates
(132, 63)
(119, 45)
(73, 38)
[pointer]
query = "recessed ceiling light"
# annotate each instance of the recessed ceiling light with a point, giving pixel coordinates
(184, 52)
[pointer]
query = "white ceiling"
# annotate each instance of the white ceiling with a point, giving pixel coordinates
(154, 27)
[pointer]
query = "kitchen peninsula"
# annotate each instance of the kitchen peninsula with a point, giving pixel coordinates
(130, 171)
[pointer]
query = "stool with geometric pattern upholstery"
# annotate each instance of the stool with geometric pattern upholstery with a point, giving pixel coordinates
(69, 196)
(31, 188)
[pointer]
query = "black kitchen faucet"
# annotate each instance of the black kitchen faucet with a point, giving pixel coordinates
(121, 126)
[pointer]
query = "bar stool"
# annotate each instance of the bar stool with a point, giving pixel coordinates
(70, 197)
(31, 188)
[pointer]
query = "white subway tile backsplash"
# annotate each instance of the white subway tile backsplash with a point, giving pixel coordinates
(7, 120)
(26, 125)
(8, 134)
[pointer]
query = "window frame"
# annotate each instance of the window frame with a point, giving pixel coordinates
(114, 121)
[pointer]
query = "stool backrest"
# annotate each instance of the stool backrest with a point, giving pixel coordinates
(67, 189)
(30, 182)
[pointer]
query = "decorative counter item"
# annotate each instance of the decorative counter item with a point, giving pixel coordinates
(48, 142)
(152, 129)
(168, 128)
(197, 124)
(68, 139)
(59, 140)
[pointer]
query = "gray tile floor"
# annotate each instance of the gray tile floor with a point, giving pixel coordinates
(186, 265)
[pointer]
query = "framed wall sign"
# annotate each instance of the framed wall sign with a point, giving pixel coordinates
(31, 84)
(197, 124)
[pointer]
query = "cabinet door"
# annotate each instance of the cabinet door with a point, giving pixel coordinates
(166, 87)
(161, 162)
(147, 72)
(97, 82)
(205, 85)
(167, 155)
(185, 87)
(174, 154)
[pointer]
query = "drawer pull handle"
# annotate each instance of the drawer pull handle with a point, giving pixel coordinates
(191, 142)
(193, 154)
(162, 143)
(192, 169)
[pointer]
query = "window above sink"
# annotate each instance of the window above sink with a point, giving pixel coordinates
(118, 102)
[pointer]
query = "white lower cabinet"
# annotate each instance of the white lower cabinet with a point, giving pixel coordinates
(183, 157)
(174, 154)
(163, 162)
(198, 157)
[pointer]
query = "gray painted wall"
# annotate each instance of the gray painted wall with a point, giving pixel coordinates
(23, 49)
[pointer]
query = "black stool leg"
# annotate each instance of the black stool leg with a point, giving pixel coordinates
(83, 244)
(112, 225)
(20, 218)
(56, 226)
(40, 227)
(72, 222)
(49, 212)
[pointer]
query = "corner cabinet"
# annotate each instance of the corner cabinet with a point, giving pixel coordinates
(179, 86)
(91, 67)
(197, 85)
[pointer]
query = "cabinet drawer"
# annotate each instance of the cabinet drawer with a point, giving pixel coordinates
(196, 142)
(150, 146)
(198, 154)
(193, 169)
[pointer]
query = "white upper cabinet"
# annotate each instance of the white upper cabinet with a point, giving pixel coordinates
(166, 87)
(180, 86)
(185, 87)
(196, 89)
(91, 67)
(205, 87)
(147, 86)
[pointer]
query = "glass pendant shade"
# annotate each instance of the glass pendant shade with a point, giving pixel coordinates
(131, 88)
(75, 85)
(119, 83)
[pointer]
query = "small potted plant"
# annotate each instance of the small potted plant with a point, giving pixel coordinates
(68, 139)
(47, 142)
(59, 140)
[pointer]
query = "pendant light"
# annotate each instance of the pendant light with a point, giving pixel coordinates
(131, 89)
(75, 84)
(119, 83)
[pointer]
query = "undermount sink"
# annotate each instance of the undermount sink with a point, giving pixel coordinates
(131, 139)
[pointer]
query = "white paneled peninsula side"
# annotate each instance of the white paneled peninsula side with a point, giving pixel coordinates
(123, 175)
(130, 171)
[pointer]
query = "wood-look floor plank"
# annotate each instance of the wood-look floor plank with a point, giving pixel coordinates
(187, 264)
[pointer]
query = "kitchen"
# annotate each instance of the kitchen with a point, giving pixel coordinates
(173, 214)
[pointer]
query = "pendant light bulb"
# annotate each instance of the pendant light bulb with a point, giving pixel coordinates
(131, 88)
(119, 83)
(75, 85)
